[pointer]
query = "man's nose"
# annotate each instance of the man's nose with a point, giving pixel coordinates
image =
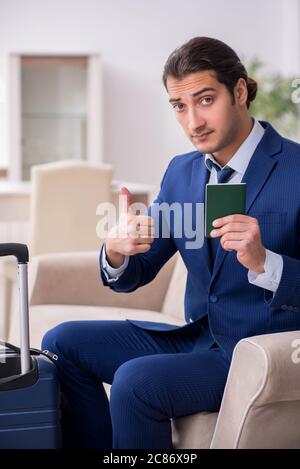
(195, 120)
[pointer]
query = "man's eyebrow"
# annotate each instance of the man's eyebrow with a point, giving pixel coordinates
(197, 93)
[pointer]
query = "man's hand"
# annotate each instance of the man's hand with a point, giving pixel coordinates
(132, 234)
(241, 233)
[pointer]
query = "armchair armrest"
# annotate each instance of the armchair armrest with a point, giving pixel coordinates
(260, 406)
(74, 278)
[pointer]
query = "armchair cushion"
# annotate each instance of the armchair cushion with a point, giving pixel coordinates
(44, 317)
(194, 431)
(74, 278)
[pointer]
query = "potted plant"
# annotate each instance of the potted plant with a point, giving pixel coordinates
(273, 101)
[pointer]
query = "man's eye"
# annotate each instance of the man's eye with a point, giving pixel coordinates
(207, 100)
(178, 107)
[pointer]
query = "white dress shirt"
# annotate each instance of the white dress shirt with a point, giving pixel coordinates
(112, 274)
(273, 266)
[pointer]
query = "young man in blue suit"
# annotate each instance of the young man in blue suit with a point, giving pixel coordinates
(244, 282)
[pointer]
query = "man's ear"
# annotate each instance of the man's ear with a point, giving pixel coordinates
(241, 92)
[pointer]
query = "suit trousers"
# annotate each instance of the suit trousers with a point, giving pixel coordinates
(154, 376)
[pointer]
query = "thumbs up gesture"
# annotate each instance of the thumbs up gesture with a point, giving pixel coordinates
(131, 235)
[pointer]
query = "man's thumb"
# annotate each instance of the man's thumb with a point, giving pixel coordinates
(126, 199)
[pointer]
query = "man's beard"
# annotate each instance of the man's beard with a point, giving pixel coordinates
(223, 143)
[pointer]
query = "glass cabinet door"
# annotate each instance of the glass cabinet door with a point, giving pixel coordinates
(53, 109)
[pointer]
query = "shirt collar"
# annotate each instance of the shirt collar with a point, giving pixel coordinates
(240, 160)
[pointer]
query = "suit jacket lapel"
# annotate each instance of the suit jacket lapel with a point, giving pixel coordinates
(260, 167)
(261, 164)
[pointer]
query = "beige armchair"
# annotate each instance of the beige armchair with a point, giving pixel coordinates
(65, 195)
(260, 406)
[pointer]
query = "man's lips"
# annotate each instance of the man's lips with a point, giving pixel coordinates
(202, 136)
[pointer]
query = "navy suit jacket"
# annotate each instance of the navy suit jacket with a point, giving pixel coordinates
(235, 308)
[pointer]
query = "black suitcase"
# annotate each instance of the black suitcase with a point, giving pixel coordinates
(29, 388)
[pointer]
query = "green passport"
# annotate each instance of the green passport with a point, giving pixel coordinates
(221, 200)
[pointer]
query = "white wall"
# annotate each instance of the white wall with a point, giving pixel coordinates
(135, 37)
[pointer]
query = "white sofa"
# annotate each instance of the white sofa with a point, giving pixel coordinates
(261, 402)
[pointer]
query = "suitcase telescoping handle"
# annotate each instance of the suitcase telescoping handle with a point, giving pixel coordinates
(20, 251)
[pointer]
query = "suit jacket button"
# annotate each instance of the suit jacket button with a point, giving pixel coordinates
(284, 307)
(213, 298)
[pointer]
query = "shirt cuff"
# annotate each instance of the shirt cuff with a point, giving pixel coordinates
(270, 278)
(112, 274)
